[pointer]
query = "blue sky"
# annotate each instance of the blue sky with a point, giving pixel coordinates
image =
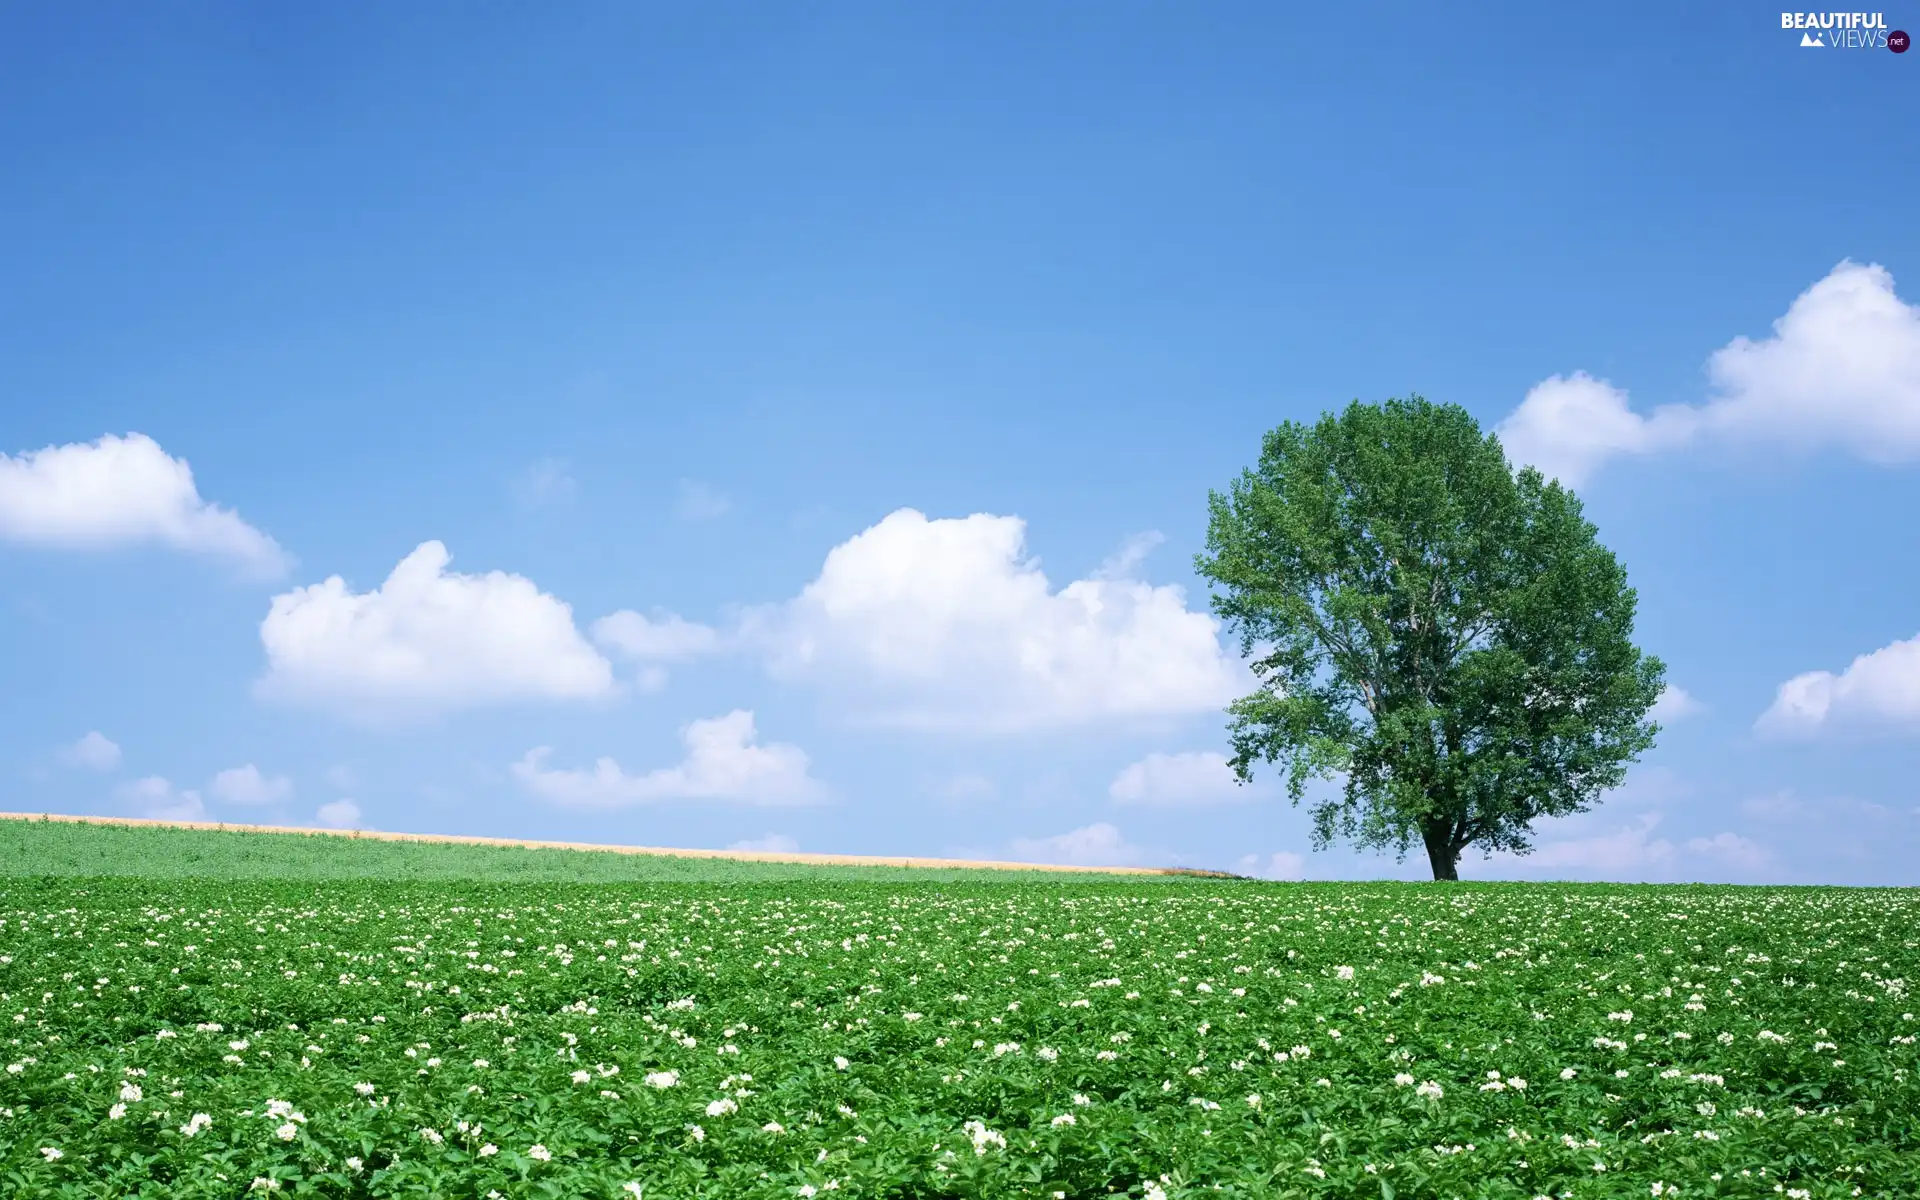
(794, 426)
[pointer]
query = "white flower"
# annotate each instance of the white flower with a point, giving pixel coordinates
(984, 1138)
(1403, 1079)
(1343, 972)
(489, 1150)
(431, 1135)
(365, 1089)
(51, 1153)
(722, 1107)
(116, 1112)
(130, 1092)
(1568, 1072)
(195, 1124)
(840, 1064)
(663, 1079)
(1063, 1119)
(773, 1127)
(287, 1132)
(354, 1163)
(696, 1133)
(582, 1076)
(1430, 1090)
(539, 1153)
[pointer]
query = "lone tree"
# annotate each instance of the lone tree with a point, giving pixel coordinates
(1445, 633)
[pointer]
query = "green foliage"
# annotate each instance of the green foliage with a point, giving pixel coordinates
(752, 1041)
(1446, 634)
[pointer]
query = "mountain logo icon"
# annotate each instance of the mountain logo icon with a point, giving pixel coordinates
(1811, 39)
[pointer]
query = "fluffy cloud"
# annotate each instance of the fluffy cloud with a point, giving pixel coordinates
(651, 641)
(1841, 369)
(1675, 704)
(94, 752)
(948, 624)
(1098, 845)
(1878, 689)
(122, 491)
(1570, 424)
(1281, 864)
(246, 785)
(427, 641)
(339, 814)
(1202, 778)
(773, 843)
(723, 762)
(154, 797)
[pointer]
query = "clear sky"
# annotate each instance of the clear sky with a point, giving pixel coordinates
(695, 425)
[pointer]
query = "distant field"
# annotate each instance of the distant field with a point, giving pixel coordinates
(65, 846)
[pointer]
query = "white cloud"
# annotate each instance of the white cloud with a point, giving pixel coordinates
(427, 641)
(1785, 806)
(1184, 779)
(545, 482)
(664, 637)
(773, 843)
(722, 763)
(1569, 425)
(246, 785)
(1675, 704)
(699, 502)
(1627, 850)
(948, 624)
(339, 814)
(1281, 864)
(1098, 845)
(154, 797)
(1730, 849)
(94, 752)
(122, 491)
(1878, 689)
(1841, 369)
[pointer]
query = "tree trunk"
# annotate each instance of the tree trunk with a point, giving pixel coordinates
(1442, 854)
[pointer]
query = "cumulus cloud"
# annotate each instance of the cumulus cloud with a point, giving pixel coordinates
(1281, 864)
(1675, 704)
(122, 491)
(651, 641)
(1569, 425)
(949, 624)
(1841, 369)
(159, 800)
(1097, 845)
(427, 641)
(246, 785)
(1178, 779)
(773, 843)
(1878, 690)
(94, 752)
(339, 814)
(723, 762)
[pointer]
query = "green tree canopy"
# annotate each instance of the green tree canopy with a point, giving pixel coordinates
(1446, 634)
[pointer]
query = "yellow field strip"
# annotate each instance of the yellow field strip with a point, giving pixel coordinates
(767, 856)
